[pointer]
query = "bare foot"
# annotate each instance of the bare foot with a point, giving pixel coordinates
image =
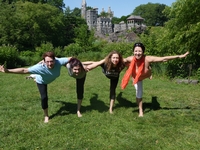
(140, 113)
(79, 114)
(110, 110)
(46, 119)
(151, 77)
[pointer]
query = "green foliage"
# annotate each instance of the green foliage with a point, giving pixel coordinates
(8, 55)
(26, 58)
(26, 25)
(84, 37)
(177, 69)
(91, 56)
(159, 70)
(152, 13)
(45, 47)
(72, 50)
(182, 30)
(198, 73)
(124, 48)
(58, 52)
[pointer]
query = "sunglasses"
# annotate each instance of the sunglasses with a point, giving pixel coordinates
(138, 44)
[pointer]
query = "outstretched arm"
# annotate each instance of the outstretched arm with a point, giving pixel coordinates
(165, 58)
(88, 62)
(95, 64)
(16, 70)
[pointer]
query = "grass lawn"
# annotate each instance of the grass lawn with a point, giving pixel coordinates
(171, 115)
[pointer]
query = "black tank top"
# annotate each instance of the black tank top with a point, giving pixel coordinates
(111, 74)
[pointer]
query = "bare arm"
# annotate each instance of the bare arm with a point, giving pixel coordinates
(95, 64)
(88, 62)
(128, 60)
(165, 58)
(16, 70)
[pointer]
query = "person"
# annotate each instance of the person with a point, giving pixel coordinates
(111, 65)
(78, 71)
(140, 69)
(45, 73)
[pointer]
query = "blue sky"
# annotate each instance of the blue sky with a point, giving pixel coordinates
(120, 7)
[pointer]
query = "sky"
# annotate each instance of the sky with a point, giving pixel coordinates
(119, 7)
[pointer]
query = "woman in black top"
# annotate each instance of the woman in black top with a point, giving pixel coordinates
(111, 65)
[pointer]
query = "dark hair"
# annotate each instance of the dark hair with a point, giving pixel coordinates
(48, 54)
(108, 62)
(139, 45)
(75, 62)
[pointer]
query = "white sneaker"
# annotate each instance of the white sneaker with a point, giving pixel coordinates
(32, 76)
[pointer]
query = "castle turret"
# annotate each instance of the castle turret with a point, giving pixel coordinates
(110, 13)
(83, 9)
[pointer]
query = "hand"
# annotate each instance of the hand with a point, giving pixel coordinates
(183, 55)
(86, 69)
(3, 69)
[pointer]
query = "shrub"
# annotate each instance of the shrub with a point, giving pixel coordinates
(198, 73)
(45, 47)
(9, 55)
(124, 48)
(91, 56)
(28, 58)
(72, 50)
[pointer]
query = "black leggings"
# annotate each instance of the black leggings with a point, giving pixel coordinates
(113, 85)
(80, 87)
(44, 97)
(43, 93)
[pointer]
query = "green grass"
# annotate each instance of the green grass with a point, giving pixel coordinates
(171, 116)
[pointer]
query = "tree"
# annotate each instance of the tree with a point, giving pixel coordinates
(84, 37)
(152, 13)
(76, 12)
(183, 28)
(57, 3)
(26, 25)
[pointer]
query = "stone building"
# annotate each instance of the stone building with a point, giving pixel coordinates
(104, 25)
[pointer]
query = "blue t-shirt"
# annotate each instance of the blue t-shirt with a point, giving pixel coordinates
(44, 75)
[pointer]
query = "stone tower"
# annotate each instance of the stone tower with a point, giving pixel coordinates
(83, 9)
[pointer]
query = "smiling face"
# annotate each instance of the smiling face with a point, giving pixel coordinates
(76, 70)
(49, 62)
(138, 52)
(115, 59)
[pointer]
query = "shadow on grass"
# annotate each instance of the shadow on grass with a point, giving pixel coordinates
(70, 108)
(96, 104)
(153, 105)
(123, 102)
(66, 109)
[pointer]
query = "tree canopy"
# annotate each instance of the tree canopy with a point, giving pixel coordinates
(183, 27)
(152, 13)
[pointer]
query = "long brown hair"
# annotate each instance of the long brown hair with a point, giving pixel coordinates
(109, 64)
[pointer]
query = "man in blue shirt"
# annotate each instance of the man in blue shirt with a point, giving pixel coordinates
(45, 73)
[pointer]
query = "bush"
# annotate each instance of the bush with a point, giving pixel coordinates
(72, 50)
(9, 55)
(91, 56)
(124, 48)
(45, 47)
(28, 58)
(198, 73)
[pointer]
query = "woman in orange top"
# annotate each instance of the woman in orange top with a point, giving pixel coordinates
(140, 69)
